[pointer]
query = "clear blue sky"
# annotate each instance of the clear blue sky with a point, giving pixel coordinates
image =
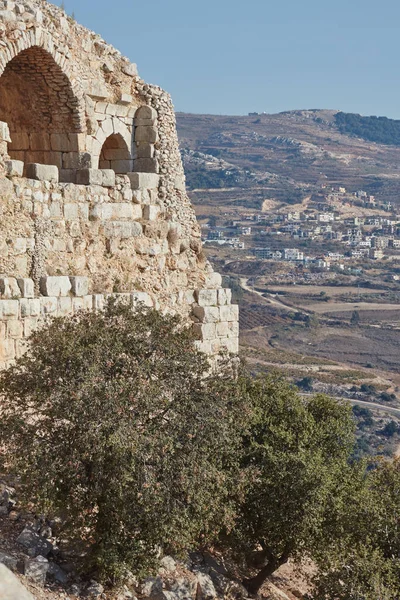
(232, 57)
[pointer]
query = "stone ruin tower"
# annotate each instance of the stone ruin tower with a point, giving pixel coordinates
(92, 187)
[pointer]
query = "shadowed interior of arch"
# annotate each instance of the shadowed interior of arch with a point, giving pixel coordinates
(115, 155)
(42, 112)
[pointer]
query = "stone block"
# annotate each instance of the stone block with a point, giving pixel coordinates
(206, 314)
(146, 112)
(206, 297)
(144, 151)
(144, 180)
(39, 140)
(108, 179)
(55, 286)
(89, 177)
(202, 346)
(122, 229)
(145, 122)
(130, 70)
(9, 287)
(126, 99)
(4, 130)
(42, 172)
(98, 91)
(229, 312)
(14, 329)
(20, 141)
(11, 588)
(98, 301)
(9, 309)
(205, 331)
(77, 304)
(30, 307)
(138, 298)
(68, 175)
(231, 345)
(79, 286)
(48, 305)
(26, 287)
(7, 350)
(122, 166)
(87, 302)
(214, 280)
(224, 296)
(146, 134)
(146, 165)
(223, 329)
(71, 212)
(30, 325)
(150, 212)
(36, 569)
(233, 329)
(64, 306)
(14, 168)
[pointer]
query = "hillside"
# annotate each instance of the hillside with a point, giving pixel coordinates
(287, 156)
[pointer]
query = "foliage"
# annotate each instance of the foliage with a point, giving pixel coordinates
(112, 422)
(355, 318)
(373, 129)
(305, 384)
(362, 559)
(295, 453)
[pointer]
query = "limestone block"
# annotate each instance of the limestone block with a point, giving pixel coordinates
(98, 301)
(143, 298)
(146, 134)
(108, 179)
(126, 99)
(223, 329)
(9, 288)
(4, 130)
(87, 302)
(150, 212)
(30, 307)
(79, 285)
(233, 329)
(64, 306)
(146, 165)
(206, 314)
(146, 112)
(7, 352)
(229, 312)
(11, 588)
(122, 166)
(77, 304)
(144, 150)
(14, 329)
(122, 229)
(39, 140)
(26, 287)
(144, 180)
(231, 345)
(14, 168)
(130, 70)
(224, 296)
(205, 331)
(55, 286)
(180, 183)
(30, 325)
(20, 141)
(9, 309)
(89, 177)
(204, 347)
(98, 91)
(71, 211)
(68, 175)
(42, 172)
(207, 298)
(214, 280)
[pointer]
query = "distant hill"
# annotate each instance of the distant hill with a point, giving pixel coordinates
(289, 155)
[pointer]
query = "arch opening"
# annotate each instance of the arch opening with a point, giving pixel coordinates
(115, 155)
(41, 109)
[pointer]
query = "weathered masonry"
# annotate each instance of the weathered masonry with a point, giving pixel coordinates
(92, 189)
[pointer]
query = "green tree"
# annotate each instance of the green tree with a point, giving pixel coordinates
(114, 421)
(294, 455)
(361, 559)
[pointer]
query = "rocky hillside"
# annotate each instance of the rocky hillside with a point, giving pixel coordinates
(289, 155)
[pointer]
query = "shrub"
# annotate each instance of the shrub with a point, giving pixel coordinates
(115, 423)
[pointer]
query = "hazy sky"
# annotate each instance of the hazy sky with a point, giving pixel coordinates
(233, 57)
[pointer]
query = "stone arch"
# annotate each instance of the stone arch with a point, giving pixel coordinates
(41, 107)
(113, 128)
(115, 154)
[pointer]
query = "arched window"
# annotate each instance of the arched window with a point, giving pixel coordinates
(115, 155)
(42, 112)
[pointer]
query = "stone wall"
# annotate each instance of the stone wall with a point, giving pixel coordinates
(92, 186)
